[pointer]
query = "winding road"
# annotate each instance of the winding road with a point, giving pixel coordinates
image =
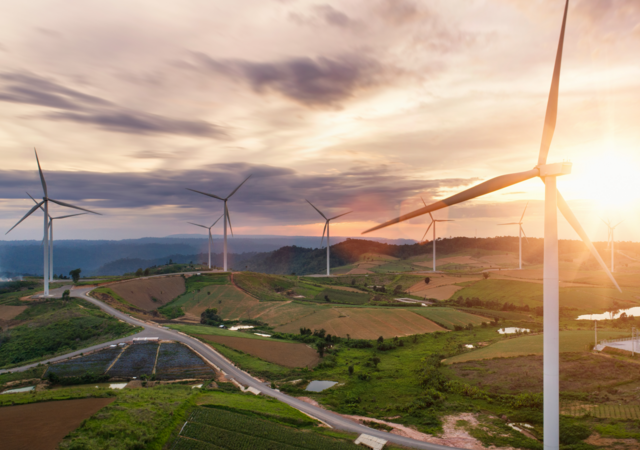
(154, 330)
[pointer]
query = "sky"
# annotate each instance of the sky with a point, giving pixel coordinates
(367, 106)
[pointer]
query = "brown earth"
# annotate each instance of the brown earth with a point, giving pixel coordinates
(150, 293)
(359, 271)
(9, 312)
(439, 293)
(139, 313)
(43, 425)
(283, 353)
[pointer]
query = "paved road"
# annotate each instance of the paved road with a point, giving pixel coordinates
(155, 330)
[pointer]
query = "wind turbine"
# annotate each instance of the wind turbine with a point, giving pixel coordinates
(326, 228)
(553, 201)
(520, 233)
(611, 240)
(45, 202)
(210, 238)
(433, 222)
(227, 219)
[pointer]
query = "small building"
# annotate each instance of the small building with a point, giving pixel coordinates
(370, 442)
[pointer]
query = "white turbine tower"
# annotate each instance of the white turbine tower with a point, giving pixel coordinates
(210, 238)
(433, 222)
(227, 219)
(611, 240)
(520, 234)
(45, 202)
(326, 228)
(553, 201)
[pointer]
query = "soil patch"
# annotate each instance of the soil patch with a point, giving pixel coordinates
(9, 312)
(359, 271)
(43, 425)
(283, 353)
(151, 293)
(439, 293)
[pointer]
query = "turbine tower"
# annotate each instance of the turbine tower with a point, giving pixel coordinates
(433, 222)
(326, 228)
(45, 202)
(227, 219)
(520, 234)
(210, 238)
(553, 201)
(611, 240)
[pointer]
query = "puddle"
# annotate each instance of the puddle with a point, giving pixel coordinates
(240, 327)
(513, 330)
(263, 335)
(319, 386)
(19, 390)
(635, 311)
(117, 385)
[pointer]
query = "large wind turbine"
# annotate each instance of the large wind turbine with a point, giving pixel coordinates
(210, 238)
(326, 228)
(520, 233)
(611, 240)
(227, 219)
(433, 222)
(553, 201)
(45, 202)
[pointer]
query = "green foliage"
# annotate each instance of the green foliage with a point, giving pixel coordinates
(572, 432)
(66, 294)
(346, 297)
(75, 274)
(263, 287)
(210, 317)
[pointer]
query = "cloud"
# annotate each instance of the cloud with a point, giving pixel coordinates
(327, 15)
(82, 108)
(323, 81)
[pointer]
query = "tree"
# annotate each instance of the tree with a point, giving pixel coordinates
(210, 317)
(375, 360)
(353, 282)
(327, 299)
(321, 346)
(350, 370)
(427, 280)
(146, 272)
(139, 272)
(75, 275)
(380, 340)
(397, 289)
(485, 275)
(66, 295)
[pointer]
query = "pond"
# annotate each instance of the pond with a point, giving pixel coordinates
(240, 327)
(319, 386)
(513, 330)
(635, 311)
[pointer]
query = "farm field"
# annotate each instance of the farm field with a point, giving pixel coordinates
(149, 293)
(177, 361)
(8, 312)
(282, 353)
(364, 323)
(570, 341)
(96, 363)
(343, 296)
(43, 425)
(208, 330)
(607, 411)
(137, 360)
(449, 317)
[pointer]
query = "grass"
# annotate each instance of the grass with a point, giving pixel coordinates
(263, 286)
(609, 411)
(111, 293)
(34, 372)
(346, 297)
(194, 295)
(506, 315)
(205, 329)
(57, 328)
(570, 341)
(55, 394)
(449, 317)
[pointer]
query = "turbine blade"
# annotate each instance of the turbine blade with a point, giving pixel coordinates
(512, 223)
(484, 188)
(44, 183)
(70, 215)
(234, 191)
(71, 206)
(323, 231)
(325, 217)
(341, 215)
(425, 233)
(423, 202)
(197, 224)
(216, 221)
(204, 193)
(552, 103)
(36, 202)
(228, 218)
(619, 223)
(37, 205)
(525, 210)
(568, 214)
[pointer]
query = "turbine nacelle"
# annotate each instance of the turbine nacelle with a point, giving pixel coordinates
(554, 170)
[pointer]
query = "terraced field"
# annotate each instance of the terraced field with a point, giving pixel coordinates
(150, 293)
(450, 317)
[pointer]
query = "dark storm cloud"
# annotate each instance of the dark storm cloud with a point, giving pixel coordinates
(313, 82)
(275, 193)
(82, 108)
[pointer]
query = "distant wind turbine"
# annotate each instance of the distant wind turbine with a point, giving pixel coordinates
(210, 238)
(520, 233)
(553, 201)
(45, 202)
(611, 240)
(433, 222)
(227, 219)
(326, 228)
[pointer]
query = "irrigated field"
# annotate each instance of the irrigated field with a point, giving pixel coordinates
(364, 323)
(570, 341)
(282, 353)
(450, 317)
(43, 425)
(150, 293)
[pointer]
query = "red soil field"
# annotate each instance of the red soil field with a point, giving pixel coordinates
(282, 353)
(9, 312)
(43, 425)
(141, 292)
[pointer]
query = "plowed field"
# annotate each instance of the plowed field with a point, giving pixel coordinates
(364, 323)
(150, 293)
(282, 353)
(43, 425)
(9, 312)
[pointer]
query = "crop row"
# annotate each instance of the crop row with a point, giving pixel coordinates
(213, 423)
(233, 439)
(192, 444)
(95, 363)
(177, 355)
(138, 359)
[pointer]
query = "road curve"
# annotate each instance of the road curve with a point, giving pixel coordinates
(155, 330)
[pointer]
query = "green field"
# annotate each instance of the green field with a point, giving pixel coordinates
(449, 317)
(346, 297)
(205, 329)
(621, 412)
(263, 287)
(570, 341)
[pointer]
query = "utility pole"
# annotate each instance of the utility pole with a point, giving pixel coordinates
(633, 341)
(596, 344)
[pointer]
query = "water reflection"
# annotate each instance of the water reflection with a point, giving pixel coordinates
(614, 314)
